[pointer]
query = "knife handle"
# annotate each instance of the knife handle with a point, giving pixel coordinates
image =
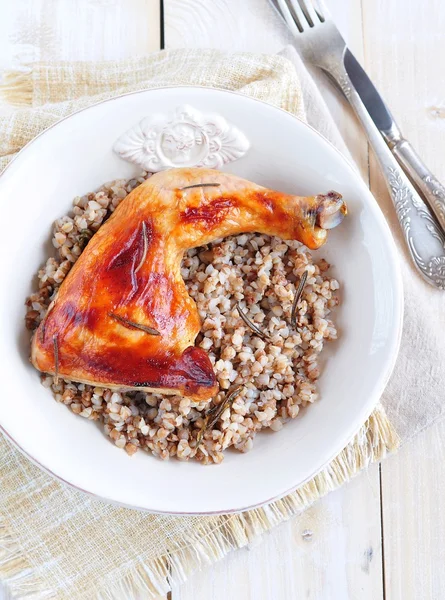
(430, 187)
(424, 238)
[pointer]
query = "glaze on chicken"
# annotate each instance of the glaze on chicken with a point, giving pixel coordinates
(122, 318)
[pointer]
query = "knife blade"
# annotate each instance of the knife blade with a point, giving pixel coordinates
(432, 190)
(367, 91)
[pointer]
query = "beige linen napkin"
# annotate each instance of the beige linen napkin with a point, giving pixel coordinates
(56, 542)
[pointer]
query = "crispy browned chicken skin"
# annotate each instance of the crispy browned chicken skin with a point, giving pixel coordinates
(122, 318)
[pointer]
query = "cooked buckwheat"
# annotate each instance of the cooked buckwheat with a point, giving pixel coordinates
(278, 372)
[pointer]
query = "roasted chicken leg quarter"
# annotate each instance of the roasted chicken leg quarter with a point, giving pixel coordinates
(122, 318)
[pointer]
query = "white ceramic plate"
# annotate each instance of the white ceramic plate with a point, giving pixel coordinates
(75, 157)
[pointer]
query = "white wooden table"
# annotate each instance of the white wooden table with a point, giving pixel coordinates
(383, 535)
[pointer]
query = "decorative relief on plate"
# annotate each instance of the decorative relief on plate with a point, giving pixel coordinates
(433, 268)
(187, 138)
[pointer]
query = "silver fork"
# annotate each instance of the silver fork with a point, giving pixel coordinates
(321, 44)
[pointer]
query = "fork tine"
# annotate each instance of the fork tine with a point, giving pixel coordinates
(321, 9)
(297, 14)
(310, 12)
(290, 17)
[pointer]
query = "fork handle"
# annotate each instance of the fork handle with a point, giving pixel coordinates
(423, 236)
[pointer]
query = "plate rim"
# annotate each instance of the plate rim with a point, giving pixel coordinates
(398, 303)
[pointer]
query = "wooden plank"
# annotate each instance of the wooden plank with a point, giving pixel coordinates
(404, 48)
(333, 550)
(404, 51)
(413, 495)
(90, 30)
(230, 25)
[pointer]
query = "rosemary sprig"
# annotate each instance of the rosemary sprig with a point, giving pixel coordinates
(144, 253)
(293, 317)
(197, 185)
(133, 325)
(214, 413)
(56, 359)
(250, 324)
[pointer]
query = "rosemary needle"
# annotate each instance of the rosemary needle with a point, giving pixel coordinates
(133, 325)
(197, 185)
(293, 318)
(144, 253)
(56, 359)
(249, 323)
(214, 413)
